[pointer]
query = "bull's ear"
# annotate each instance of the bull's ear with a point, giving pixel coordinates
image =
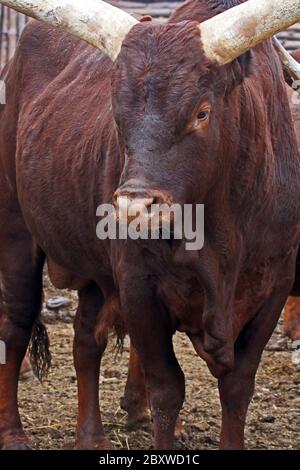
(245, 61)
(142, 19)
(239, 69)
(146, 18)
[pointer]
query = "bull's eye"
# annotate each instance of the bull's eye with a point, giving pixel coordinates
(202, 119)
(203, 115)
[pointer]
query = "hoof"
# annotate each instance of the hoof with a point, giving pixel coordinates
(17, 446)
(138, 414)
(93, 443)
(138, 419)
(14, 439)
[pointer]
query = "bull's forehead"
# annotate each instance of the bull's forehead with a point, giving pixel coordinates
(171, 42)
(162, 67)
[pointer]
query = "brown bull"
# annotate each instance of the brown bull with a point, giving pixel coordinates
(181, 117)
(135, 399)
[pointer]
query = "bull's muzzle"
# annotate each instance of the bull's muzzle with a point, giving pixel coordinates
(130, 205)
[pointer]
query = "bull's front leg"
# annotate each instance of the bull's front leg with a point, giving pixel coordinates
(236, 388)
(87, 358)
(135, 400)
(151, 334)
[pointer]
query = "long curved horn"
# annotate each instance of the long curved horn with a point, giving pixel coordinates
(228, 35)
(290, 65)
(94, 21)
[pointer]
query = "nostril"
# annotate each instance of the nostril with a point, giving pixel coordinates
(157, 201)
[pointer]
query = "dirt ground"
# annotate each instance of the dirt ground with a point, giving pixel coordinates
(49, 410)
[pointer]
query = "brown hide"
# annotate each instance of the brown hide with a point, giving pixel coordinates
(76, 128)
(65, 115)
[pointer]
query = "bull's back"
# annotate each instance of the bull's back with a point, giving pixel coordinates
(25, 76)
(41, 55)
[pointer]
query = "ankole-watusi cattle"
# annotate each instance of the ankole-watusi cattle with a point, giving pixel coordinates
(135, 400)
(192, 111)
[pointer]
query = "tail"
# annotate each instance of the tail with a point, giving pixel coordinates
(39, 351)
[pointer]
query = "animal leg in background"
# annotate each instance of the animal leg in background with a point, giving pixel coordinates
(87, 358)
(135, 400)
(292, 318)
(21, 266)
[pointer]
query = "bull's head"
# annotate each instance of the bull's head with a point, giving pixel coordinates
(169, 81)
(168, 103)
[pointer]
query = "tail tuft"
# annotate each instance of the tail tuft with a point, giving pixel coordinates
(39, 351)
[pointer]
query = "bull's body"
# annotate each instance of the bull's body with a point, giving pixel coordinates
(81, 128)
(60, 159)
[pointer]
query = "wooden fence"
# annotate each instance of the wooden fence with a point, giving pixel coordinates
(291, 38)
(11, 23)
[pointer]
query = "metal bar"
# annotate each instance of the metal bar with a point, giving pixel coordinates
(1, 35)
(17, 26)
(8, 19)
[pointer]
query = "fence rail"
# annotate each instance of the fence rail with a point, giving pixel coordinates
(291, 38)
(11, 26)
(12, 23)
